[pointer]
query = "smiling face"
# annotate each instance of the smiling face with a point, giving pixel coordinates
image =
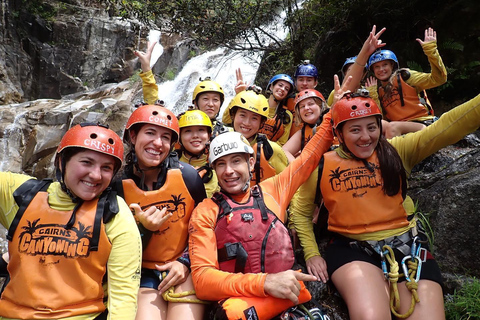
(88, 173)
(304, 83)
(233, 172)
(309, 110)
(194, 138)
(280, 89)
(247, 123)
(383, 70)
(152, 145)
(361, 136)
(210, 103)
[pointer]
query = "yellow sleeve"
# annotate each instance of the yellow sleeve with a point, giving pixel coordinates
(9, 182)
(330, 98)
(286, 130)
(150, 88)
(279, 159)
(226, 119)
(212, 186)
(301, 215)
(450, 128)
(438, 74)
(124, 263)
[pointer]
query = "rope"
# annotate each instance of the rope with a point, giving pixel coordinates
(171, 296)
(393, 276)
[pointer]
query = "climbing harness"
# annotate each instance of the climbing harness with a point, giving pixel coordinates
(300, 312)
(179, 297)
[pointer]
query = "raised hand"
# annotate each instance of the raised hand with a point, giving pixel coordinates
(430, 35)
(241, 85)
(145, 57)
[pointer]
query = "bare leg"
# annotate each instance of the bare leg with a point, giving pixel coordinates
(185, 310)
(431, 301)
(151, 305)
(364, 289)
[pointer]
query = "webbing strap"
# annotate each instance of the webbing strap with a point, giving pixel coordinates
(234, 251)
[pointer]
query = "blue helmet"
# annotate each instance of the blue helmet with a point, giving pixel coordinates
(306, 69)
(281, 76)
(382, 55)
(348, 62)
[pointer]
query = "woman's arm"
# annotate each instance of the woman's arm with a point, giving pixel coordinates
(124, 263)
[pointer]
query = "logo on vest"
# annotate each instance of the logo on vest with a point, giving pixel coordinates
(354, 179)
(55, 240)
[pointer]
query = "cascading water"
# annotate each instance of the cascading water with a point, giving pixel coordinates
(220, 65)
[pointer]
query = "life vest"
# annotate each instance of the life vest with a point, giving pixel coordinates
(250, 237)
(355, 198)
(263, 153)
(46, 256)
(169, 242)
(307, 133)
(404, 103)
(274, 128)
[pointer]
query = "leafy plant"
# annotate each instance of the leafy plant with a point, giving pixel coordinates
(424, 220)
(464, 303)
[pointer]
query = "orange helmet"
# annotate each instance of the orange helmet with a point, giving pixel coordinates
(156, 115)
(94, 137)
(308, 93)
(354, 106)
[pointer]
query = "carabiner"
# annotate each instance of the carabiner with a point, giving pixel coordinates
(405, 268)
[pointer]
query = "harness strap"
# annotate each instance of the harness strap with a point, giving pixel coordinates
(400, 91)
(257, 197)
(257, 161)
(23, 195)
(234, 251)
(226, 208)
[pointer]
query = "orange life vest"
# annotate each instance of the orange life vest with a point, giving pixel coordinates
(307, 133)
(274, 128)
(355, 198)
(168, 243)
(403, 104)
(250, 237)
(263, 153)
(54, 271)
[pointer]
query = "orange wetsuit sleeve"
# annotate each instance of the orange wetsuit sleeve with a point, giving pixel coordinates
(211, 283)
(279, 190)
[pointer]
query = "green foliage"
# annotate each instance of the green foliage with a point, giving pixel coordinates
(464, 304)
(40, 8)
(423, 219)
(134, 78)
(169, 74)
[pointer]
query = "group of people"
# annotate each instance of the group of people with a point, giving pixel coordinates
(195, 210)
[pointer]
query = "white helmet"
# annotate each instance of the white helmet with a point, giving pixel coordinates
(228, 143)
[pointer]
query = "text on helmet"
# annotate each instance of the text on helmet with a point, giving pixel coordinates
(100, 146)
(359, 113)
(224, 147)
(161, 121)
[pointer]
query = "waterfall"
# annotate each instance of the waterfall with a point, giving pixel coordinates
(219, 64)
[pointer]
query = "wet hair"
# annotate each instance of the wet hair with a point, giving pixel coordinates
(391, 166)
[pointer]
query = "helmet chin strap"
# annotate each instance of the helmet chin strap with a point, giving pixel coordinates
(247, 184)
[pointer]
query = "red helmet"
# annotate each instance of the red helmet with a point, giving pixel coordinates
(92, 137)
(354, 106)
(156, 115)
(308, 93)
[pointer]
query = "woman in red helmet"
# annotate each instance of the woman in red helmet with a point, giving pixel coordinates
(363, 186)
(157, 185)
(66, 237)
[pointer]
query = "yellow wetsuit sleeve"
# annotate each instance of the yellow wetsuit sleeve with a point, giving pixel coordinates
(210, 282)
(212, 186)
(301, 215)
(279, 159)
(450, 128)
(286, 130)
(150, 88)
(330, 98)
(438, 74)
(124, 263)
(226, 119)
(9, 182)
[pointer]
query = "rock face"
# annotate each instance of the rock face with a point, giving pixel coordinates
(69, 47)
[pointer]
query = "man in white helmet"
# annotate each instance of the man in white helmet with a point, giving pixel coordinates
(239, 248)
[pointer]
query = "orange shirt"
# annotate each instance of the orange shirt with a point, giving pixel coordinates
(213, 284)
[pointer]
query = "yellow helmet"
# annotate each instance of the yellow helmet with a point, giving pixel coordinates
(194, 118)
(250, 100)
(208, 85)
